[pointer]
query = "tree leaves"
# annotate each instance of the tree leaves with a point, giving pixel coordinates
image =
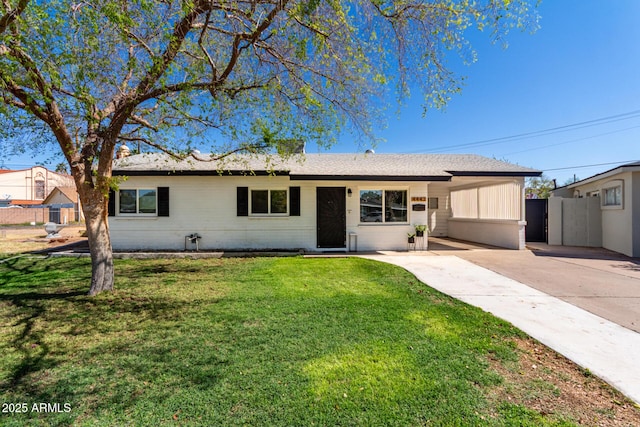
(233, 75)
(314, 62)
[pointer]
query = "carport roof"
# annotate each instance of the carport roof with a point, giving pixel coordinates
(327, 166)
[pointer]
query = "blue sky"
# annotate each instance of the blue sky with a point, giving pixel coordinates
(581, 66)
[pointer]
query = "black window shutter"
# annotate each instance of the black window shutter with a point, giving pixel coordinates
(294, 201)
(243, 201)
(163, 201)
(111, 207)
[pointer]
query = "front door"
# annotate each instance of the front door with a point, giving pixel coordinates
(331, 217)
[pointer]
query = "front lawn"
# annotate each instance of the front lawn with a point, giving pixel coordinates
(260, 341)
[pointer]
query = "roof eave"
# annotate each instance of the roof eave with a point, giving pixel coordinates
(603, 175)
(300, 177)
(194, 172)
(498, 174)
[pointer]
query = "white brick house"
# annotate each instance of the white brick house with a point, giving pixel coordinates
(316, 201)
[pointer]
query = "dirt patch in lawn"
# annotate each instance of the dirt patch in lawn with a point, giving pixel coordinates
(27, 239)
(557, 388)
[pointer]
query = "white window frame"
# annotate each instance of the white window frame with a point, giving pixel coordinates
(615, 185)
(383, 216)
(137, 213)
(268, 213)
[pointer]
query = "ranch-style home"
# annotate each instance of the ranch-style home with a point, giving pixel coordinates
(602, 210)
(315, 202)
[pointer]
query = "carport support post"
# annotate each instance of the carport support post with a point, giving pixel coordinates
(523, 201)
(522, 224)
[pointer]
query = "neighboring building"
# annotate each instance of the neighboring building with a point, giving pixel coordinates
(602, 210)
(315, 201)
(30, 186)
(64, 205)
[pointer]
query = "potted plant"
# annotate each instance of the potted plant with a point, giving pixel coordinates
(411, 237)
(420, 229)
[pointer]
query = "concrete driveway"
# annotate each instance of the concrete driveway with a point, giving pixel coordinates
(597, 280)
(592, 319)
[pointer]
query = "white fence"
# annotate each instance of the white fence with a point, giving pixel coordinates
(575, 221)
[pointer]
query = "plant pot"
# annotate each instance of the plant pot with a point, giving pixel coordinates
(411, 240)
(419, 233)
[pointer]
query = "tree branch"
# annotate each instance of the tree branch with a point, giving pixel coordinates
(11, 15)
(214, 69)
(25, 101)
(212, 158)
(141, 121)
(141, 42)
(251, 38)
(180, 31)
(32, 70)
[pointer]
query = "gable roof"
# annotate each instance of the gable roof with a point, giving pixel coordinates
(627, 167)
(388, 167)
(68, 193)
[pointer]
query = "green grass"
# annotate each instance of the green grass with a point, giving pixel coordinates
(261, 341)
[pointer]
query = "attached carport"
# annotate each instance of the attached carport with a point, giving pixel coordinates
(482, 209)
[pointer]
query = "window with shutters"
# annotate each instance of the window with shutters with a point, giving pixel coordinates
(138, 202)
(269, 202)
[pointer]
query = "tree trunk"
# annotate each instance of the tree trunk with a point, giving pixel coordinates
(95, 211)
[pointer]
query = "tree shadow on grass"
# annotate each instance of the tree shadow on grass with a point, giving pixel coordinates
(50, 322)
(41, 320)
(38, 272)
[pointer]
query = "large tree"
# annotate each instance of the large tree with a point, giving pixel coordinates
(539, 187)
(86, 75)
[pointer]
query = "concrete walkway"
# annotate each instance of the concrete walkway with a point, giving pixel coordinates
(607, 349)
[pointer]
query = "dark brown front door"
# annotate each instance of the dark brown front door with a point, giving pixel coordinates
(331, 217)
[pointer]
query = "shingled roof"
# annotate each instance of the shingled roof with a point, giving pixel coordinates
(406, 167)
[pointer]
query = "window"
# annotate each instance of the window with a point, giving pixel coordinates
(269, 202)
(40, 190)
(383, 206)
(140, 201)
(266, 202)
(612, 196)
